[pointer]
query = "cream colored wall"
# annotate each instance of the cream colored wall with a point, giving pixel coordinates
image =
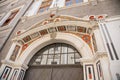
(110, 30)
(113, 26)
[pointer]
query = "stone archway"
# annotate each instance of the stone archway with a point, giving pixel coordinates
(48, 32)
(67, 38)
(75, 41)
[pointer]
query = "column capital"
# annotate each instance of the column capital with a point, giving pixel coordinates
(13, 64)
(96, 57)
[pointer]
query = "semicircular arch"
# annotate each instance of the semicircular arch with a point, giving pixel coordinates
(71, 39)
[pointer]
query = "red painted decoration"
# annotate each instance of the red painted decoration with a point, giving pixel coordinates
(4, 76)
(90, 76)
(61, 28)
(45, 22)
(86, 38)
(81, 30)
(43, 32)
(92, 17)
(100, 17)
(51, 15)
(18, 32)
(24, 46)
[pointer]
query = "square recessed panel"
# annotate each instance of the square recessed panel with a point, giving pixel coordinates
(26, 39)
(34, 35)
(43, 32)
(89, 30)
(71, 28)
(61, 28)
(81, 29)
(15, 53)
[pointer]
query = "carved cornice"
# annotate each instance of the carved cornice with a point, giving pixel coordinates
(13, 64)
(96, 57)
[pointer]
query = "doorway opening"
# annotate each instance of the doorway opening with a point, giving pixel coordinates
(58, 61)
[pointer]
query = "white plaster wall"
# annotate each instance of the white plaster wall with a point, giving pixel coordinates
(113, 27)
(114, 31)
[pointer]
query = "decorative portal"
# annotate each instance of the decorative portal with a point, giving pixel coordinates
(57, 53)
(15, 53)
(14, 75)
(21, 75)
(90, 75)
(5, 73)
(99, 70)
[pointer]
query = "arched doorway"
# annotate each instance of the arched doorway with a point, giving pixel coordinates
(68, 30)
(58, 61)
